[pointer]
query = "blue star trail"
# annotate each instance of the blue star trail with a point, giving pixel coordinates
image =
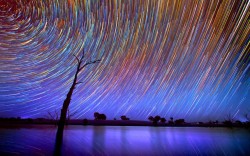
(181, 59)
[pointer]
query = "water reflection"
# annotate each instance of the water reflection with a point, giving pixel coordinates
(104, 140)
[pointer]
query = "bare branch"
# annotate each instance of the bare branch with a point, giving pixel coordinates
(230, 117)
(83, 53)
(51, 116)
(88, 63)
(56, 115)
(73, 114)
(77, 59)
(78, 83)
(70, 115)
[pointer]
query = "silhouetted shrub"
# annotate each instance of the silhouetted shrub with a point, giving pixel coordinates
(123, 117)
(40, 119)
(30, 120)
(238, 122)
(248, 124)
(227, 123)
(96, 114)
(157, 118)
(150, 118)
(102, 117)
(171, 121)
(99, 116)
(200, 123)
(163, 120)
(179, 121)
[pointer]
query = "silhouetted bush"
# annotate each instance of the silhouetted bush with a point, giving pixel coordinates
(40, 119)
(238, 122)
(200, 123)
(213, 122)
(150, 118)
(96, 114)
(157, 118)
(123, 117)
(171, 121)
(179, 121)
(30, 120)
(99, 116)
(163, 120)
(248, 124)
(227, 123)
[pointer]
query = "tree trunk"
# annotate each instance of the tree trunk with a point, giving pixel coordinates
(63, 116)
(59, 134)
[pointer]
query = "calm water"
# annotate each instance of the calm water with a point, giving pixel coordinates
(109, 140)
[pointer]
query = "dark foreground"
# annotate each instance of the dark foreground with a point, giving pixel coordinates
(35, 139)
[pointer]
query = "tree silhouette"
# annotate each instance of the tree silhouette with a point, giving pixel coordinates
(99, 116)
(96, 114)
(156, 119)
(151, 118)
(179, 121)
(63, 115)
(171, 121)
(229, 120)
(163, 120)
(70, 115)
(123, 117)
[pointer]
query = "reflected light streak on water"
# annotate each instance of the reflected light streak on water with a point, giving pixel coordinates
(104, 140)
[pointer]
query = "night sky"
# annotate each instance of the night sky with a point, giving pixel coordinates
(186, 59)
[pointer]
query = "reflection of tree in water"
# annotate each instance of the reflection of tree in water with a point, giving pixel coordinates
(124, 141)
(98, 140)
(157, 143)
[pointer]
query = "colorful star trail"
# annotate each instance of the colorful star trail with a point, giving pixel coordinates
(186, 59)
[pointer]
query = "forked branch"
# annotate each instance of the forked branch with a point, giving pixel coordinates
(90, 62)
(78, 61)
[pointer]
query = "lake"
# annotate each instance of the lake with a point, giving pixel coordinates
(125, 140)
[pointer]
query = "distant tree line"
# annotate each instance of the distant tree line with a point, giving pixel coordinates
(156, 120)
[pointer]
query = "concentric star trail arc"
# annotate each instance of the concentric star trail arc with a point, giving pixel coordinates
(183, 59)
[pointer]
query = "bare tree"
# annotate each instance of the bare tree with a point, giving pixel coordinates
(54, 117)
(63, 115)
(229, 118)
(70, 114)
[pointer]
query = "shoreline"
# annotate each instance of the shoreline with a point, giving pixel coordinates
(26, 122)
